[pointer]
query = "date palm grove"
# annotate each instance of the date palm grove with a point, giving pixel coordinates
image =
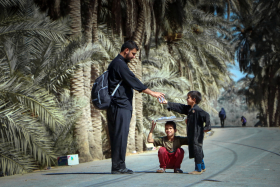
(51, 52)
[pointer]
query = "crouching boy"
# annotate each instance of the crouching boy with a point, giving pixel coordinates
(171, 154)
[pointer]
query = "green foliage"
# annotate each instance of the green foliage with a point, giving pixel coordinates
(258, 53)
(31, 116)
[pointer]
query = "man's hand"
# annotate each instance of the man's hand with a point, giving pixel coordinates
(157, 94)
(154, 94)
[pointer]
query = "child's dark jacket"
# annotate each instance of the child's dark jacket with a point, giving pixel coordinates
(195, 127)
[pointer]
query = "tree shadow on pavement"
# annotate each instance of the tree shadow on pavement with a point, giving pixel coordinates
(102, 173)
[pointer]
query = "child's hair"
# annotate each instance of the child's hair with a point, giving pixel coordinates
(171, 123)
(195, 95)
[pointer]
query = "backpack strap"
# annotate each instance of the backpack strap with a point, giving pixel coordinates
(116, 88)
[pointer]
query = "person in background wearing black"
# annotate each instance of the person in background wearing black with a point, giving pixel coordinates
(120, 111)
(244, 121)
(222, 116)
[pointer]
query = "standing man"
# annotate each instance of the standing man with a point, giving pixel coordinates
(120, 111)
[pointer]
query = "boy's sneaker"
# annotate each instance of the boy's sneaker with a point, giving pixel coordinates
(178, 170)
(203, 170)
(161, 170)
(195, 172)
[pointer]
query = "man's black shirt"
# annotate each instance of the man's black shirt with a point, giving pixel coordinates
(118, 70)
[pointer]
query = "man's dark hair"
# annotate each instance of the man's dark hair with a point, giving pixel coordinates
(130, 45)
(171, 123)
(195, 95)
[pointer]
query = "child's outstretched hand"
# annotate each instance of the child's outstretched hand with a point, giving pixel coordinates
(153, 125)
(150, 136)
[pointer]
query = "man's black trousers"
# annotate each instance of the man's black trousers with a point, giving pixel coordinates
(118, 124)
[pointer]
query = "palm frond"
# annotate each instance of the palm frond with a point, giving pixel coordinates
(37, 99)
(14, 162)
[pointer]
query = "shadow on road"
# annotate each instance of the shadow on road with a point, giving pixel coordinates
(237, 126)
(102, 173)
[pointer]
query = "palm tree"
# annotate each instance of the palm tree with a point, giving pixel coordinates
(80, 86)
(258, 53)
(198, 45)
(96, 143)
(152, 21)
(30, 116)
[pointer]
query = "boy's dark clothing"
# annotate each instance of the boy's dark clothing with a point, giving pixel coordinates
(195, 127)
(170, 154)
(119, 113)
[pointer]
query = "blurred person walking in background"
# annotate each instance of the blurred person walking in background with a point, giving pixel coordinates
(244, 121)
(222, 116)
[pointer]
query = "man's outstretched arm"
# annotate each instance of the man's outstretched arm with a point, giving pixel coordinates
(153, 94)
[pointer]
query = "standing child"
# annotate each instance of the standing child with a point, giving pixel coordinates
(195, 127)
(171, 154)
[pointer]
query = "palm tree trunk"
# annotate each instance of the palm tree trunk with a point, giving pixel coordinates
(138, 38)
(79, 85)
(272, 97)
(96, 144)
(139, 114)
(277, 113)
(271, 102)
(57, 7)
(89, 22)
(131, 134)
(265, 106)
(88, 120)
(131, 18)
(105, 137)
(94, 23)
(92, 37)
(75, 15)
(275, 103)
(80, 132)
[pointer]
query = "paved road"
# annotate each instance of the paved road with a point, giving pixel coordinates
(233, 157)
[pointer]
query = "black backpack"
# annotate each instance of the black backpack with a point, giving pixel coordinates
(100, 96)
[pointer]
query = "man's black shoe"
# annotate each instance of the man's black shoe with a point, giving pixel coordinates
(123, 171)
